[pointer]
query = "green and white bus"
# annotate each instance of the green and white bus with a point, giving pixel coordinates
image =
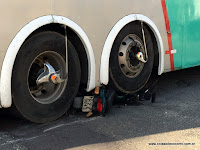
(50, 48)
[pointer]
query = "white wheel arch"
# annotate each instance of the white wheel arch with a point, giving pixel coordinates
(6, 72)
(104, 68)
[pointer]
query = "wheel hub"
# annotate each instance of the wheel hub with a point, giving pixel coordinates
(49, 75)
(128, 57)
(44, 82)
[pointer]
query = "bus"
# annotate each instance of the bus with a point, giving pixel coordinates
(50, 49)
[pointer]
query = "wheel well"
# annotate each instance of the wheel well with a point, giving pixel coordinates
(154, 73)
(77, 43)
(155, 47)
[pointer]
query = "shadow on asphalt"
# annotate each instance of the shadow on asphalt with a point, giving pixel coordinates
(176, 108)
(9, 122)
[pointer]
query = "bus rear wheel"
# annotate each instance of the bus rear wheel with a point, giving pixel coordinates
(127, 73)
(41, 92)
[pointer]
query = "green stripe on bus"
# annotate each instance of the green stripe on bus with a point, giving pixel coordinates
(184, 18)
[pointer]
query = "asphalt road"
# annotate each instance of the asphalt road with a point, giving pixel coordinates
(173, 122)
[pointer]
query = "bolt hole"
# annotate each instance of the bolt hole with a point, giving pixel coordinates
(122, 65)
(123, 43)
(43, 91)
(121, 54)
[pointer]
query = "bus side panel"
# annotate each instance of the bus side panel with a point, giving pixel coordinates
(184, 18)
(15, 15)
(97, 18)
(176, 20)
(191, 55)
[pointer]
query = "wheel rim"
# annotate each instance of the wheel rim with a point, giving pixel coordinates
(47, 92)
(130, 66)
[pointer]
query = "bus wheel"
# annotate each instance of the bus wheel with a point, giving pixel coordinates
(127, 73)
(40, 90)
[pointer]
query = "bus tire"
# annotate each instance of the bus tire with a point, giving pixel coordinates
(48, 101)
(127, 74)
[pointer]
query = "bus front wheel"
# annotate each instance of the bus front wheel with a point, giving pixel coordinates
(127, 73)
(42, 91)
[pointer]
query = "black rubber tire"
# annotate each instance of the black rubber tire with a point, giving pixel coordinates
(27, 106)
(118, 80)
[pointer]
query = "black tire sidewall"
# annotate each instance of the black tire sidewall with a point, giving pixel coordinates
(24, 102)
(121, 82)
